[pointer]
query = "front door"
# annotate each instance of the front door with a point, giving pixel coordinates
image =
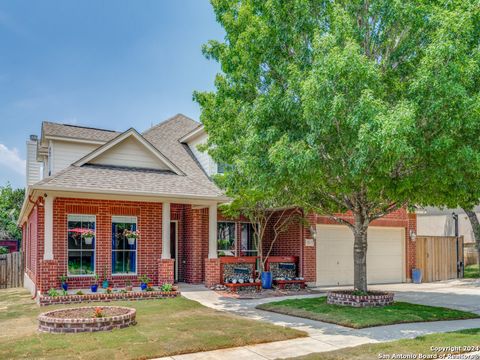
(173, 245)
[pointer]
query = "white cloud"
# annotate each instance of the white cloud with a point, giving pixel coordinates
(12, 160)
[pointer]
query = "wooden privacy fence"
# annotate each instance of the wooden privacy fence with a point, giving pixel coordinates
(11, 270)
(437, 257)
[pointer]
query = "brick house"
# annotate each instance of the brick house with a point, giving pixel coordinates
(158, 183)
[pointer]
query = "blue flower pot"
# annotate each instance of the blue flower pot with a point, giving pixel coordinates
(65, 286)
(94, 288)
(105, 284)
(143, 286)
(266, 280)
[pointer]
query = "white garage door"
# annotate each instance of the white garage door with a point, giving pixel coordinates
(385, 255)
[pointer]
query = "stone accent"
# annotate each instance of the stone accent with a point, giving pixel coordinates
(166, 271)
(47, 323)
(346, 298)
(45, 300)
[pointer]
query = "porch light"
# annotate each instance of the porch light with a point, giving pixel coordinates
(413, 236)
(313, 232)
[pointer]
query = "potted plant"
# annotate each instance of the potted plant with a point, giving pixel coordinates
(105, 280)
(63, 280)
(128, 285)
(144, 282)
(88, 236)
(131, 236)
(94, 286)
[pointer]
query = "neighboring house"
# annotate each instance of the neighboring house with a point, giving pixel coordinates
(11, 245)
(158, 183)
(440, 222)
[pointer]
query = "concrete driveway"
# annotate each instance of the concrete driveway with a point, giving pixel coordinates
(461, 294)
(458, 294)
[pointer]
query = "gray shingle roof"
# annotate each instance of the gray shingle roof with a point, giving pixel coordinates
(165, 137)
(77, 132)
(96, 178)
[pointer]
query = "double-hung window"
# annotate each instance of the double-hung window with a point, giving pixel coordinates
(81, 244)
(124, 251)
(226, 239)
(248, 243)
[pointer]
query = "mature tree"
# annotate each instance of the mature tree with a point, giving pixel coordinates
(472, 217)
(10, 204)
(357, 107)
(264, 208)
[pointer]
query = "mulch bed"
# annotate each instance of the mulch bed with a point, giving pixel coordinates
(87, 313)
(266, 293)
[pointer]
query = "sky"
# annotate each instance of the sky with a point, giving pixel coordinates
(110, 64)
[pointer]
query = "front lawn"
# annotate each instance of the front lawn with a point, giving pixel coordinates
(419, 345)
(471, 272)
(400, 312)
(165, 327)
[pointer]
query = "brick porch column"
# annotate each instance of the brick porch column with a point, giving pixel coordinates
(212, 272)
(166, 271)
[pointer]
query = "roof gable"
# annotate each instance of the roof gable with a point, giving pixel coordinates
(129, 149)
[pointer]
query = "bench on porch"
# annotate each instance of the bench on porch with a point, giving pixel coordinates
(236, 268)
(284, 271)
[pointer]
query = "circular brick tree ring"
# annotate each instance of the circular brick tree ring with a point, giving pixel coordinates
(348, 298)
(83, 319)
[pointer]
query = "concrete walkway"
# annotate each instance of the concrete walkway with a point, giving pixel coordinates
(326, 337)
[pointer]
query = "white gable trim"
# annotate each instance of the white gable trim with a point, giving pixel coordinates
(192, 134)
(129, 133)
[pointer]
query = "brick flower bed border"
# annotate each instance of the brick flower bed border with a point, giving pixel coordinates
(45, 300)
(346, 298)
(47, 323)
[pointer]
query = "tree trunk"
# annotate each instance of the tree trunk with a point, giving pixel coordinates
(472, 216)
(360, 253)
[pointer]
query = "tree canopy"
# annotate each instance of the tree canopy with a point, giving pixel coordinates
(10, 204)
(361, 106)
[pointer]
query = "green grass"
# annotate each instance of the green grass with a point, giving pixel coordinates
(164, 327)
(472, 272)
(400, 312)
(419, 345)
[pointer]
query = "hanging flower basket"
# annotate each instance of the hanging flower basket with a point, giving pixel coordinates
(131, 236)
(88, 235)
(88, 240)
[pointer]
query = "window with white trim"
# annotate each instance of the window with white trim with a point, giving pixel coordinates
(81, 244)
(124, 250)
(248, 243)
(226, 238)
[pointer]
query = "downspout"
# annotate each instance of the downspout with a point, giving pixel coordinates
(302, 244)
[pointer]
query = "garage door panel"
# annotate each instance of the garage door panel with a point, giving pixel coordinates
(335, 255)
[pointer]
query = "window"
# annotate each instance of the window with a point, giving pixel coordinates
(226, 238)
(81, 247)
(124, 251)
(248, 243)
(221, 168)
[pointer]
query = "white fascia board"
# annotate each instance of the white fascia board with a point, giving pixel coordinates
(73, 139)
(193, 134)
(154, 196)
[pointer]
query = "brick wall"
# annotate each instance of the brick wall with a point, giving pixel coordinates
(149, 222)
(166, 271)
